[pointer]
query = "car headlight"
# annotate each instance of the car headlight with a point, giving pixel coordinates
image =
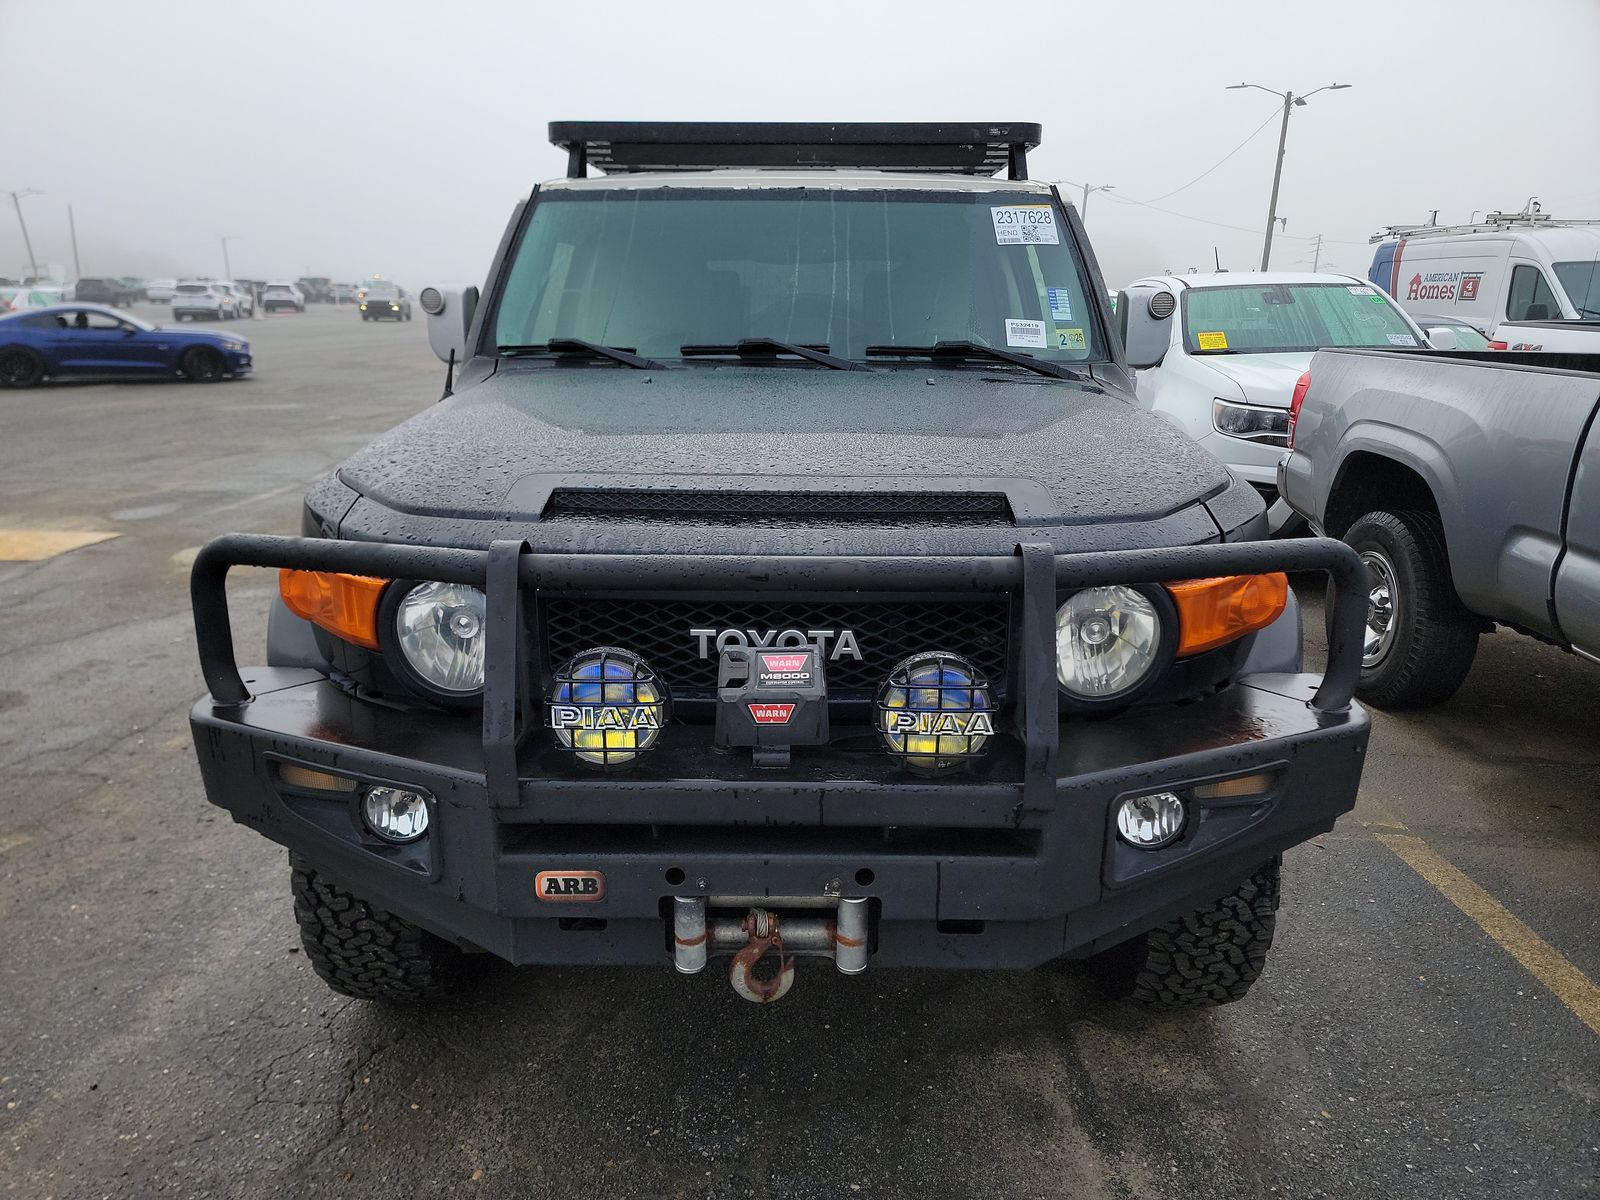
(1108, 641)
(439, 629)
(1253, 422)
(234, 346)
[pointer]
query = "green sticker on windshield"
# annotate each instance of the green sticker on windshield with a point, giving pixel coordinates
(1070, 339)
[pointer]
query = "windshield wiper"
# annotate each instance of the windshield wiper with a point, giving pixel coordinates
(965, 349)
(577, 347)
(765, 347)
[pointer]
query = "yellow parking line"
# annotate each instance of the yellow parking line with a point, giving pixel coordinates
(1542, 960)
(32, 545)
(11, 841)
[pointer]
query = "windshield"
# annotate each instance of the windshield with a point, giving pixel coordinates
(380, 289)
(193, 289)
(1273, 318)
(842, 269)
(1581, 282)
(278, 287)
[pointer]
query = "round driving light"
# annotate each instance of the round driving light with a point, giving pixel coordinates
(607, 707)
(1108, 639)
(432, 301)
(1150, 822)
(933, 712)
(395, 814)
(439, 627)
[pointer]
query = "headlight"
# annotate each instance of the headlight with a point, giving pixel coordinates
(1253, 422)
(1108, 640)
(234, 346)
(439, 627)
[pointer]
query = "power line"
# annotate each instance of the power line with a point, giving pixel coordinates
(1272, 116)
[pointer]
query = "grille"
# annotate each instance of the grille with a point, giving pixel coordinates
(886, 632)
(812, 508)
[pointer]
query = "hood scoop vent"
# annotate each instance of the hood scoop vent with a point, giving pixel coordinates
(806, 508)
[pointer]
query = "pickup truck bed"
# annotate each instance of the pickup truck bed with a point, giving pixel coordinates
(1491, 464)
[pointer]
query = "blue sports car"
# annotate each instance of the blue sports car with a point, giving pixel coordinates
(90, 339)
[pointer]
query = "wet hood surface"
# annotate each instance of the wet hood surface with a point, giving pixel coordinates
(1065, 453)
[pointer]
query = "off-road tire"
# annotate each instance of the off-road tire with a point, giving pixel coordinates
(361, 951)
(1435, 637)
(203, 365)
(20, 368)
(1205, 958)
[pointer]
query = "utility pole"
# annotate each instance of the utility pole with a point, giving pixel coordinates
(1290, 102)
(227, 268)
(1083, 209)
(16, 202)
(72, 226)
(1316, 255)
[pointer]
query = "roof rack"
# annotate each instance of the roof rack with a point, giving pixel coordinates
(1490, 223)
(958, 149)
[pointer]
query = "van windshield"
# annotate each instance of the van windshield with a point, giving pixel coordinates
(1256, 318)
(380, 289)
(657, 269)
(1581, 282)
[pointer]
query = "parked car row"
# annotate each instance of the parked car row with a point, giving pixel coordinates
(216, 300)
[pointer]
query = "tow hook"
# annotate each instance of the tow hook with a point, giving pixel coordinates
(762, 928)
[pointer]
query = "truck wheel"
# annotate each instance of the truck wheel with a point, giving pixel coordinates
(1420, 641)
(1208, 957)
(364, 952)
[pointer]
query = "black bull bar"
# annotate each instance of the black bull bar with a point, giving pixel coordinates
(508, 569)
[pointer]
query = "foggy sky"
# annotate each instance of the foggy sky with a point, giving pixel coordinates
(354, 138)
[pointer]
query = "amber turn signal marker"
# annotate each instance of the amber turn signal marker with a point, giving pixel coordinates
(1239, 785)
(345, 605)
(314, 780)
(1214, 612)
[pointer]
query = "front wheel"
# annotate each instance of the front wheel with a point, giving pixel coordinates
(204, 365)
(1420, 640)
(1202, 959)
(362, 951)
(20, 368)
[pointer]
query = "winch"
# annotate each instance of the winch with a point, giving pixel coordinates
(771, 700)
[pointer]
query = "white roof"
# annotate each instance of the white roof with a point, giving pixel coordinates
(1214, 279)
(779, 178)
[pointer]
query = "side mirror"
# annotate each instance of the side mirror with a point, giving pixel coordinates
(1144, 318)
(1443, 339)
(450, 310)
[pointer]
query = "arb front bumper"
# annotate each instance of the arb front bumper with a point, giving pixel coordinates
(1013, 862)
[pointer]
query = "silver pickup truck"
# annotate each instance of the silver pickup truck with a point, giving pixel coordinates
(1469, 484)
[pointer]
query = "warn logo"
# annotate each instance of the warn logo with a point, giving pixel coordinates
(783, 662)
(771, 714)
(567, 886)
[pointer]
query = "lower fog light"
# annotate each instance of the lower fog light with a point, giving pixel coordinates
(395, 814)
(1150, 822)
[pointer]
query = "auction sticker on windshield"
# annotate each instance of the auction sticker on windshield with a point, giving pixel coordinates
(1025, 225)
(1212, 341)
(1025, 333)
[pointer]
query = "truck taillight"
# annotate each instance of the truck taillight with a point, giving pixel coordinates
(1499, 345)
(1301, 386)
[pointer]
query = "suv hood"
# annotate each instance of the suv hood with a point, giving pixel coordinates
(1065, 453)
(1260, 378)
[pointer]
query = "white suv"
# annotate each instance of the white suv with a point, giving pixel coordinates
(208, 299)
(280, 294)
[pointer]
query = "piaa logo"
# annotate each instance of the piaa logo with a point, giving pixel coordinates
(569, 885)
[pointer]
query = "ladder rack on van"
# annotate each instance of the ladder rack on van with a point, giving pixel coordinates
(1490, 224)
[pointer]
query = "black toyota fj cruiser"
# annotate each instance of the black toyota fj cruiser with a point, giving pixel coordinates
(790, 573)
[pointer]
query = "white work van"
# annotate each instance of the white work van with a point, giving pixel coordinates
(1511, 268)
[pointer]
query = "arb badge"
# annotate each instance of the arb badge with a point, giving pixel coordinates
(570, 885)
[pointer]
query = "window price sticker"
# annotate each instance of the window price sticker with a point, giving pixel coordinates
(1025, 225)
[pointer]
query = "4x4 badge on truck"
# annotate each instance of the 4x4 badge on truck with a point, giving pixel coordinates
(718, 640)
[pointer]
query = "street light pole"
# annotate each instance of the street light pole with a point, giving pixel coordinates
(72, 227)
(16, 202)
(1290, 101)
(227, 267)
(1083, 209)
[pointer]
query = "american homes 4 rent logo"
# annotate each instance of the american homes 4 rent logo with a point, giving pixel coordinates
(1445, 285)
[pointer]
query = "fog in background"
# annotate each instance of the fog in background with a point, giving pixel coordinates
(354, 138)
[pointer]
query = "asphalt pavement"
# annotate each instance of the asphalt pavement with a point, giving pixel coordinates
(1426, 1026)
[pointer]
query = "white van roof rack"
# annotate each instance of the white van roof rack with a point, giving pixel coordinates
(1492, 222)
